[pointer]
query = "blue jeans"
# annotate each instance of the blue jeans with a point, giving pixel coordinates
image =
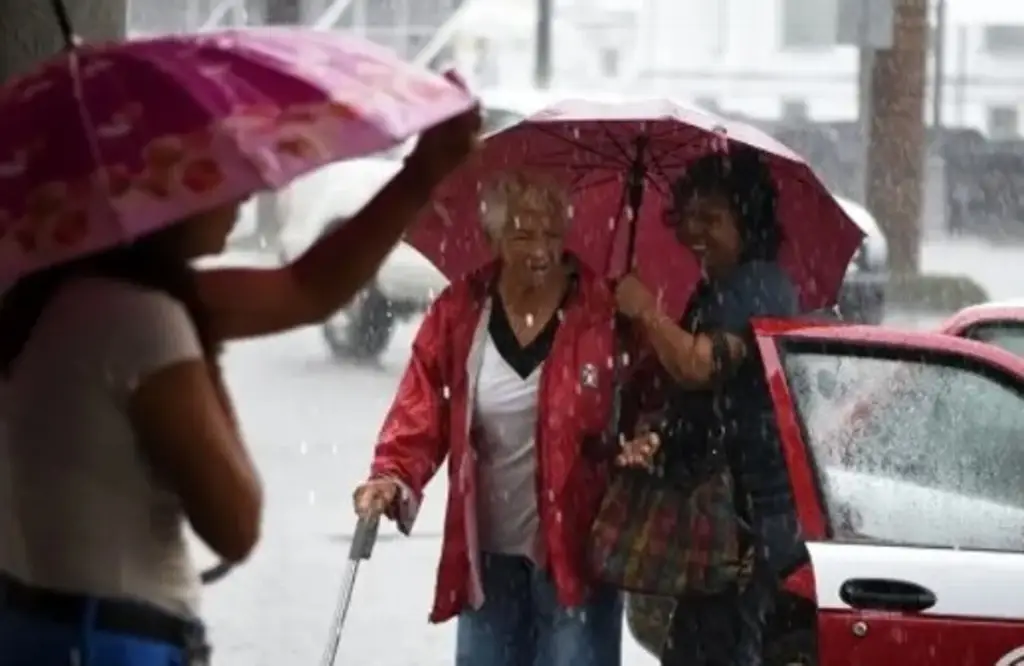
(28, 641)
(728, 629)
(522, 624)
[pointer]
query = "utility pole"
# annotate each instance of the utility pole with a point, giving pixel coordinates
(939, 65)
(897, 136)
(270, 213)
(542, 59)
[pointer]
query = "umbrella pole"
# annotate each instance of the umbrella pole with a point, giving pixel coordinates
(635, 196)
(634, 200)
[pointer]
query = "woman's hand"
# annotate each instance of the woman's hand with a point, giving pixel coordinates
(444, 147)
(639, 452)
(633, 298)
(375, 497)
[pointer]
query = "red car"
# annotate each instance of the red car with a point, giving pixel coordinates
(1000, 323)
(914, 516)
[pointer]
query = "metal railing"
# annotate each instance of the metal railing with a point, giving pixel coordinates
(330, 16)
(236, 9)
(444, 34)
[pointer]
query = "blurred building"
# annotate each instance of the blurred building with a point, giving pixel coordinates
(778, 59)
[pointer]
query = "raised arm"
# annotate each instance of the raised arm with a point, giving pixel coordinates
(699, 360)
(251, 302)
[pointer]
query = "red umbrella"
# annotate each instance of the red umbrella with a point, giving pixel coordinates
(618, 161)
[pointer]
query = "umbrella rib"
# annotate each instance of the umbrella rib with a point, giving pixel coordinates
(597, 182)
(572, 142)
(623, 151)
(681, 146)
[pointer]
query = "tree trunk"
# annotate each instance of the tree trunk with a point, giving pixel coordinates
(897, 135)
(29, 31)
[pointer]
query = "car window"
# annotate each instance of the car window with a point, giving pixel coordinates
(921, 452)
(1008, 335)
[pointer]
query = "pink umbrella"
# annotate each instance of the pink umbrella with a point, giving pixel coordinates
(618, 160)
(108, 142)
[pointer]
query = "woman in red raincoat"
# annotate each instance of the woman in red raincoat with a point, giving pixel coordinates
(509, 377)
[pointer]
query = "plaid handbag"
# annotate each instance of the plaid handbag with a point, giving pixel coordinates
(663, 535)
(658, 537)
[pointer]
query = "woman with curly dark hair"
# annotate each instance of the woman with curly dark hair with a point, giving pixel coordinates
(724, 210)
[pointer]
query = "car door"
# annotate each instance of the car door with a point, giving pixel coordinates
(906, 453)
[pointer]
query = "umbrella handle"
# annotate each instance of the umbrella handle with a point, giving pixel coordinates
(364, 538)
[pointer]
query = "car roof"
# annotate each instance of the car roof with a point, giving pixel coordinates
(1010, 309)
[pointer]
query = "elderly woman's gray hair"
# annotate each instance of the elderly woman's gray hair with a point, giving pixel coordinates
(521, 193)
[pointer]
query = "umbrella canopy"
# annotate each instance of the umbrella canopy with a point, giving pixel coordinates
(618, 160)
(105, 143)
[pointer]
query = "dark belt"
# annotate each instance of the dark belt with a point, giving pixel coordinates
(127, 618)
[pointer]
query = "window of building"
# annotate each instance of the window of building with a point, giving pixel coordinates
(1004, 40)
(807, 24)
(795, 110)
(1003, 123)
(610, 61)
(708, 103)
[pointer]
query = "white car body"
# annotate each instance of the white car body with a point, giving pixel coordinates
(340, 191)
(875, 250)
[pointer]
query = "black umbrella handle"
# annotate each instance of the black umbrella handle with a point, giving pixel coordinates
(364, 538)
(635, 195)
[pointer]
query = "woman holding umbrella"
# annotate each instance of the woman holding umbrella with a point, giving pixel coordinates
(509, 377)
(118, 425)
(724, 210)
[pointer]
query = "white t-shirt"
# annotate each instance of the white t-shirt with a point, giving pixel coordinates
(81, 509)
(506, 412)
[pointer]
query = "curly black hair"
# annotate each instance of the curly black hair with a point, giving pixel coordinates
(742, 177)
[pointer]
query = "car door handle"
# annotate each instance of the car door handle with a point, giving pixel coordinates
(886, 595)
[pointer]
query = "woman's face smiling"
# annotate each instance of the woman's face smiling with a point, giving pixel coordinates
(707, 224)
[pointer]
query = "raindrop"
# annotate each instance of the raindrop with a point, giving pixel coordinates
(570, 211)
(312, 497)
(560, 313)
(303, 447)
(528, 319)
(446, 392)
(576, 133)
(611, 223)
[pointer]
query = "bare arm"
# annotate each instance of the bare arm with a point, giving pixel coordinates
(690, 359)
(248, 302)
(184, 430)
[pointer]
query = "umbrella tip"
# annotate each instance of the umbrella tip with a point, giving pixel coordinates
(60, 11)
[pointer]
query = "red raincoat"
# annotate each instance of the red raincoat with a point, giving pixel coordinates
(430, 419)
